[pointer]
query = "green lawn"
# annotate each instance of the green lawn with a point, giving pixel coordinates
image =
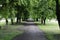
(10, 32)
(51, 29)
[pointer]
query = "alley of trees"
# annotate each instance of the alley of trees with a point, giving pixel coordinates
(24, 9)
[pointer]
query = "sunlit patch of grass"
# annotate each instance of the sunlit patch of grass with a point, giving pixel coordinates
(50, 29)
(2, 23)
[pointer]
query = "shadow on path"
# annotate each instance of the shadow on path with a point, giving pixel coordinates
(31, 32)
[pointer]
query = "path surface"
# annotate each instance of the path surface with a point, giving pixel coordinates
(32, 32)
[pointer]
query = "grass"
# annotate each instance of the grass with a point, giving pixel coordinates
(10, 32)
(51, 29)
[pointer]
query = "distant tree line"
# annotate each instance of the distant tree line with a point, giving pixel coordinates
(23, 9)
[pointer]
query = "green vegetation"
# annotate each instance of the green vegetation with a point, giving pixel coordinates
(25, 9)
(50, 29)
(10, 32)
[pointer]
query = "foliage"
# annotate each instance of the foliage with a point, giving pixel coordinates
(28, 8)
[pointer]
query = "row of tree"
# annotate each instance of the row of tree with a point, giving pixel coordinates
(24, 9)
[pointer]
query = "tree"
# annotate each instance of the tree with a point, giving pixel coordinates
(12, 10)
(6, 13)
(58, 11)
(47, 10)
(24, 9)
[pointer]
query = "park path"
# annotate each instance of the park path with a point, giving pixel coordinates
(31, 32)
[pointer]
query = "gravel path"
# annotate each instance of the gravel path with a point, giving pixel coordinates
(32, 32)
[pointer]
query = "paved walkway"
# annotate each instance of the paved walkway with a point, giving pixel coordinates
(32, 32)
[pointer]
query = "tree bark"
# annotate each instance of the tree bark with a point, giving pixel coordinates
(0, 27)
(44, 20)
(17, 20)
(6, 21)
(12, 21)
(36, 19)
(41, 21)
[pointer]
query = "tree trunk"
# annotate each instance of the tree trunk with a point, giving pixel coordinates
(12, 21)
(17, 15)
(44, 21)
(41, 21)
(59, 22)
(0, 27)
(6, 21)
(58, 11)
(36, 19)
(17, 20)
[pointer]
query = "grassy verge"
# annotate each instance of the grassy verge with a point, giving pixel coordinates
(51, 29)
(10, 32)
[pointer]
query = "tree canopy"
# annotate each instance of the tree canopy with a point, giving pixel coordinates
(24, 9)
